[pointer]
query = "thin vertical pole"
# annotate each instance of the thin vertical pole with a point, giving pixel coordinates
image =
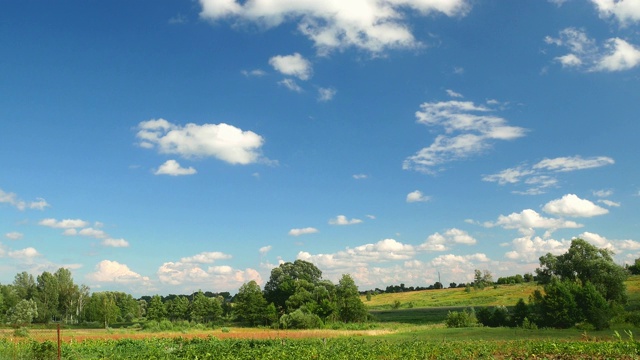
(59, 349)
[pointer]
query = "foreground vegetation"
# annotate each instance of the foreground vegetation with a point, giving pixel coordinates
(340, 348)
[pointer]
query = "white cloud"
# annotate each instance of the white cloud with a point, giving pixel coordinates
(91, 232)
(614, 54)
(417, 196)
(616, 246)
(469, 130)
(542, 175)
(173, 168)
(625, 11)
(253, 73)
(370, 25)
(265, 249)
(527, 220)
(572, 205)
(603, 193)
(109, 242)
(454, 94)
(360, 176)
(303, 231)
(63, 224)
(620, 56)
(382, 251)
(24, 254)
(443, 242)
(609, 203)
(292, 65)
(206, 257)
(342, 220)
(530, 248)
(291, 85)
(222, 141)
(573, 163)
(14, 235)
(13, 200)
(326, 94)
(189, 276)
(113, 272)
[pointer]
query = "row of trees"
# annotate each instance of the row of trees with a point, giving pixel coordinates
(295, 296)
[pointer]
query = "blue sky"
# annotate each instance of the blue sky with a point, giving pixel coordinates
(170, 146)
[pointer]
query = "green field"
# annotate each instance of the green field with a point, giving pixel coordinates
(414, 330)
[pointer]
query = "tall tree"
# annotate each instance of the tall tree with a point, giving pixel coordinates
(156, 309)
(47, 296)
(24, 285)
(178, 308)
(250, 305)
(67, 294)
(350, 307)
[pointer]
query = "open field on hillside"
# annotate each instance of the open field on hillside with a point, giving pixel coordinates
(506, 295)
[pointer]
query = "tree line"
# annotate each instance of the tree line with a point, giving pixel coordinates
(296, 296)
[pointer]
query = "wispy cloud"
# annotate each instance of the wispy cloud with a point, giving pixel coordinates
(303, 231)
(543, 175)
(343, 220)
(13, 200)
(469, 130)
(586, 54)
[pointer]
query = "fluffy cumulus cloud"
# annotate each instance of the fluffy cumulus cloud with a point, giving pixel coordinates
(528, 220)
(302, 231)
(221, 141)
(625, 11)
(173, 168)
(107, 271)
(63, 224)
(13, 200)
(586, 54)
(469, 129)
(264, 250)
(417, 196)
(292, 65)
(530, 248)
(572, 205)
(191, 275)
(372, 25)
(343, 220)
(537, 178)
(444, 241)
(78, 227)
(382, 251)
(24, 254)
(616, 246)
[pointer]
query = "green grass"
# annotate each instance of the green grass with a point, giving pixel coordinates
(506, 295)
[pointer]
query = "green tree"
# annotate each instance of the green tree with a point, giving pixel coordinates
(178, 308)
(204, 309)
(350, 307)
(250, 305)
(282, 282)
(23, 312)
(24, 285)
(584, 262)
(558, 307)
(156, 309)
(68, 293)
(595, 309)
(102, 308)
(46, 297)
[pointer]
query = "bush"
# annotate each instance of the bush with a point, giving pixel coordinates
(459, 319)
(21, 332)
(300, 320)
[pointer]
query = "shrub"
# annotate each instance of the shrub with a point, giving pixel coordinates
(21, 332)
(300, 320)
(459, 319)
